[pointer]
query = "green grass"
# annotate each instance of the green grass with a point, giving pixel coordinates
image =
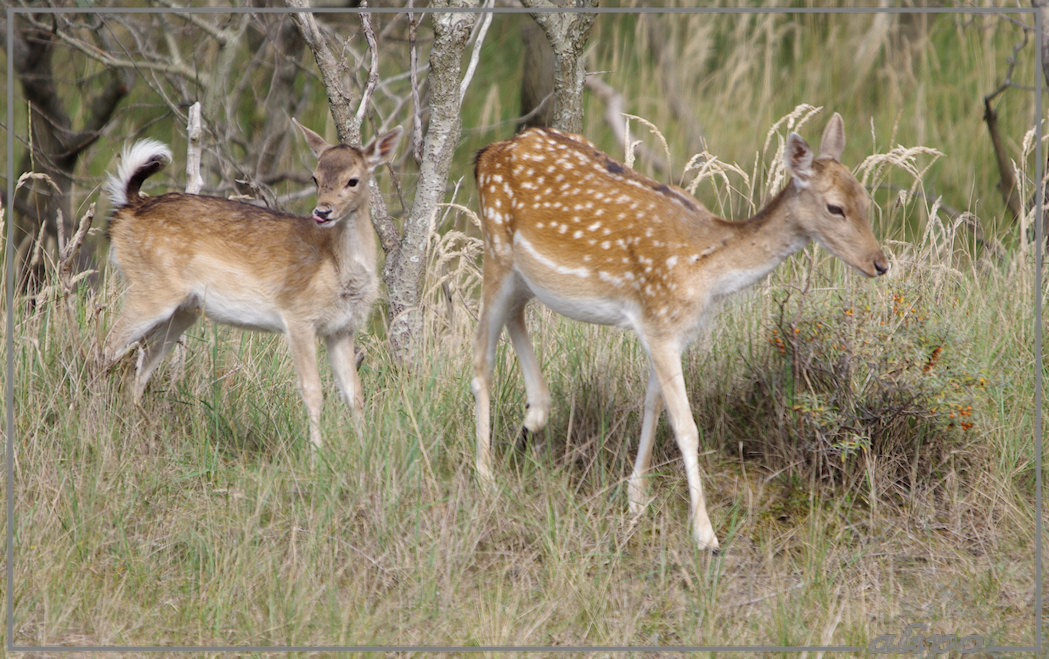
(201, 518)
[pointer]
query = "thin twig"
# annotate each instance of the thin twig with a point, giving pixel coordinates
(515, 121)
(220, 35)
(476, 54)
(109, 61)
(1007, 80)
(614, 113)
(373, 70)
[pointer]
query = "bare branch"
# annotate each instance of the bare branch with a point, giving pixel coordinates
(223, 37)
(110, 61)
(615, 111)
(1007, 185)
(1007, 79)
(615, 107)
(373, 70)
(476, 54)
(217, 95)
(340, 99)
(194, 181)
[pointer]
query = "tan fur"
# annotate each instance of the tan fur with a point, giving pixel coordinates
(601, 243)
(248, 266)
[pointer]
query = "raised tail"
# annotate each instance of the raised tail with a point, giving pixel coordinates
(138, 162)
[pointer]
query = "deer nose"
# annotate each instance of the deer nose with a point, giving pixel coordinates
(322, 213)
(881, 266)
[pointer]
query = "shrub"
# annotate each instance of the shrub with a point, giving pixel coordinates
(852, 380)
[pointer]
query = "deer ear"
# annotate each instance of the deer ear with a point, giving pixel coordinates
(316, 143)
(797, 157)
(381, 148)
(833, 143)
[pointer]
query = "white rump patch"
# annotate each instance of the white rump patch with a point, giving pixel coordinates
(133, 158)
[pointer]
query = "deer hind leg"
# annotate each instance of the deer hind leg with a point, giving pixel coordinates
(535, 386)
(158, 343)
(129, 328)
(666, 364)
(344, 366)
(157, 333)
(302, 341)
(637, 486)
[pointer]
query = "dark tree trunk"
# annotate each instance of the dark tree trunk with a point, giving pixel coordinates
(55, 146)
(537, 78)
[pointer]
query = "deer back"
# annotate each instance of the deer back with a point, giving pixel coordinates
(600, 242)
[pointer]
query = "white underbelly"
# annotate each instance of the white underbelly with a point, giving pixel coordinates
(249, 312)
(598, 310)
(569, 290)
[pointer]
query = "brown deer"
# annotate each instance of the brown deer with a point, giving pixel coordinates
(243, 265)
(599, 242)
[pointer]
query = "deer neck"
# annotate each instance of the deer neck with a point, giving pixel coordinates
(354, 244)
(755, 246)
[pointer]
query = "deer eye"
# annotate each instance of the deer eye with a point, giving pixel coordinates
(314, 180)
(834, 209)
(352, 183)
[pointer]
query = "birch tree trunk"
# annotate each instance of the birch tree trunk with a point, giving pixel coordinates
(404, 268)
(341, 98)
(405, 249)
(568, 34)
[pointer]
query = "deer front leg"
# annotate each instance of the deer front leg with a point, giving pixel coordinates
(302, 341)
(637, 486)
(344, 366)
(666, 364)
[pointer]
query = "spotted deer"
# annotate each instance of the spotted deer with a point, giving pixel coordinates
(598, 242)
(243, 265)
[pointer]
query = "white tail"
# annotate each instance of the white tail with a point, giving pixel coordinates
(249, 266)
(598, 242)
